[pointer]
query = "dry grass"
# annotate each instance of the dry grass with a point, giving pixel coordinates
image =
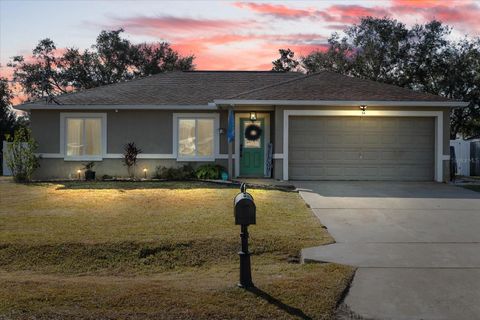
(158, 250)
(472, 187)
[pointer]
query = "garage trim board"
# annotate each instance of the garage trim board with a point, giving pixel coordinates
(438, 115)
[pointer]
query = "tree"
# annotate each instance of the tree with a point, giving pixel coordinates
(110, 60)
(21, 156)
(286, 62)
(421, 58)
(9, 121)
(338, 57)
(41, 78)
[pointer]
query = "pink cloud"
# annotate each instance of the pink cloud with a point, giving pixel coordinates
(167, 24)
(216, 49)
(352, 13)
(276, 10)
(463, 15)
(218, 52)
(334, 13)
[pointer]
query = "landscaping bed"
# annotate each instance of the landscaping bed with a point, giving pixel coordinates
(157, 250)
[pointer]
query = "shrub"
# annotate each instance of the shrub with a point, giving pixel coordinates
(209, 171)
(185, 172)
(21, 158)
(130, 155)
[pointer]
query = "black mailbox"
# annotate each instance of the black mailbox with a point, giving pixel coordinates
(244, 209)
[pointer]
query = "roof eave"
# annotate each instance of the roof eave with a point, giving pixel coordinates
(30, 107)
(343, 103)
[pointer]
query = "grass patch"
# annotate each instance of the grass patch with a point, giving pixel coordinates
(119, 250)
(472, 187)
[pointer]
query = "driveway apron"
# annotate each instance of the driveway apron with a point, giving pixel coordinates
(416, 246)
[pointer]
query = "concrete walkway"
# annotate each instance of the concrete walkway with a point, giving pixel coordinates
(417, 246)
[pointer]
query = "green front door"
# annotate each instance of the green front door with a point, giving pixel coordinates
(252, 148)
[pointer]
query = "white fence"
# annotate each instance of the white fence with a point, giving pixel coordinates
(467, 154)
(462, 154)
(5, 168)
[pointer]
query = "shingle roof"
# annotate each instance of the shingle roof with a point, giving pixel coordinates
(202, 87)
(331, 86)
(176, 88)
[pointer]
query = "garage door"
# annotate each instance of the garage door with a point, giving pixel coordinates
(361, 148)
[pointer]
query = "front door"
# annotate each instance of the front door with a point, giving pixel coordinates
(252, 147)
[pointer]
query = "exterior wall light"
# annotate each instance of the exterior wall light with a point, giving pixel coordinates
(363, 107)
(79, 172)
(221, 130)
(145, 173)
(253, 116)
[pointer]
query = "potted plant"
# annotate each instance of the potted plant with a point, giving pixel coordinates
(89, 173)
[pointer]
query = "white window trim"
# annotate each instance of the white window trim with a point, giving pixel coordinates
(78, 115)
(192, 116)
(438, 115)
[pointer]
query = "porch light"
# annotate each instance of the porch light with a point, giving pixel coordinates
(79, 172)
(145, 172)
(363, 107)
(253, 116)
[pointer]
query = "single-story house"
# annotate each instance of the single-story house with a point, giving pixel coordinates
(290, 126)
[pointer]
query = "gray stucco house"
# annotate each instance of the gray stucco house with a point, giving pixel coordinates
(289, 126)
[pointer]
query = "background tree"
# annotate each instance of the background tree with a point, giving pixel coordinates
(9, 121)
(110, 60)
(286, 62)
(422, 58)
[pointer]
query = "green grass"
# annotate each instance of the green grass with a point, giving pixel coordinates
(472, 187)
(157, 250)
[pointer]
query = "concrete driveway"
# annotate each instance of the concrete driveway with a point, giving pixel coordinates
(416, 246)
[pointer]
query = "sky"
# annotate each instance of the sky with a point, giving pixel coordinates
(223, 35)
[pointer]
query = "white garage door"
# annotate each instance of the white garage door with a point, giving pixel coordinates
(361, 148)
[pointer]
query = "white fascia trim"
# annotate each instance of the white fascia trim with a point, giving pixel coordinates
(114, 107)
(438, 115)
(223, 156)
(344, 103)
(150, 156)
(49, 155)
(63, 118)
(142, 156)
(216, 134)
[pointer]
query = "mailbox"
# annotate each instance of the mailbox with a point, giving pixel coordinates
(244, 208)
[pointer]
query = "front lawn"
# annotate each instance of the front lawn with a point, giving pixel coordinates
(157, 250)
(473, 187)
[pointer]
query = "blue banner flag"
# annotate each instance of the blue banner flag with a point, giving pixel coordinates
(231, 126)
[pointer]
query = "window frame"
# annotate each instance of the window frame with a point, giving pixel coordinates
(64, 116)
(196, 116)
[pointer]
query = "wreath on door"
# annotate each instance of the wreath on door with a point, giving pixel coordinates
(253, 132)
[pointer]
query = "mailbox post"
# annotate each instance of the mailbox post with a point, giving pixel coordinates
(244, 210)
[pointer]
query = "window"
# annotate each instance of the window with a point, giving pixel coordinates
(83, 136)
(196, 138)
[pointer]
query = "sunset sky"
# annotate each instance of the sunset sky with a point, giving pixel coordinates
(221, 34)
